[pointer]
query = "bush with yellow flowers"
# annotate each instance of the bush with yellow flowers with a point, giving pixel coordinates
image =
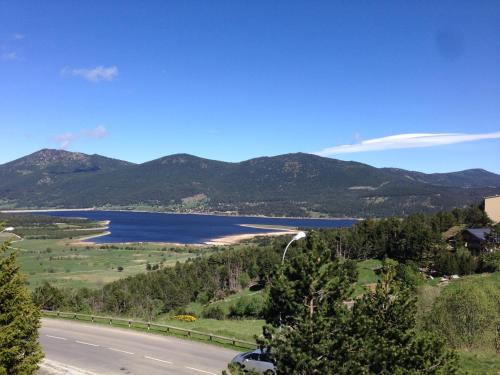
(185, 318)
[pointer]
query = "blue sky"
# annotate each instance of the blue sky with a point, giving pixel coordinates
(414, 85)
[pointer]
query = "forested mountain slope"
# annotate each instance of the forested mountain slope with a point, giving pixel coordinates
(35, 179)
(292, 184)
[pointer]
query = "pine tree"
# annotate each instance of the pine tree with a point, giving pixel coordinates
(306, 313)
(20, 351)
(385, 339)
(311, 331)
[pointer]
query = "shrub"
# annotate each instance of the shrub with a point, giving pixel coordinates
(490, 262)
(244, 280)
(185, 318)
(466, 262)
(203, 298)
(248, 306)
(466, 313)
(409, 274)
(49, 297)
(446, 263)
(461, 262)
(214, 311)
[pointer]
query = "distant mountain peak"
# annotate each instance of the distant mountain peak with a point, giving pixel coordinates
(294, 184)
(183, 159)
(46, 157)
(63, 161)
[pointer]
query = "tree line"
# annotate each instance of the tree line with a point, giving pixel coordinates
(418, 239)
(309, 325)
(311, 330)
(414, 241)
(203, 279)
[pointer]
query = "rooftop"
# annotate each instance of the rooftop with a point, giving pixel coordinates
(479, 233)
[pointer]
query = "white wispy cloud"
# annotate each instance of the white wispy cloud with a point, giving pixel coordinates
(98, 132)
(18, 36)
(9, 56)
(9, 47)
(65, 139)
(97, 74)
(400, 141)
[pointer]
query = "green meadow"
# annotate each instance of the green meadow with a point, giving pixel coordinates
(67, 263)
(63, 263)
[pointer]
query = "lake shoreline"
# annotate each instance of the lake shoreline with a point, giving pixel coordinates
(41, 210)
(82, 241)
(127, 227)
(234, 239)
(231, 239)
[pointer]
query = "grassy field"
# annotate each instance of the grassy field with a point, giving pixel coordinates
(50, 249)
(366, 275)
(244, 329)
(480, 360)
(247, 329)
(480, 363)
(64, 264)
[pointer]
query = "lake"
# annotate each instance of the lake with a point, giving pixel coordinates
(187, 228)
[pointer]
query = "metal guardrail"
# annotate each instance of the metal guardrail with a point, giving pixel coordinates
(129, 323)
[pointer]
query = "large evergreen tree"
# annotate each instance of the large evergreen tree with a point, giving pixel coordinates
(20, 351)
(311, 331)
(306, 312)
(384, 336)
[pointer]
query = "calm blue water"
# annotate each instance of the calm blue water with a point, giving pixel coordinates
(185, 228)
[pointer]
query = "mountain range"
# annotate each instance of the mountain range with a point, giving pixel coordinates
(289, 185)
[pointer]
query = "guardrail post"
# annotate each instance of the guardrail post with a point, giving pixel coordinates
(210, 337)
(58, 314)
(74, 317)
(189, 333)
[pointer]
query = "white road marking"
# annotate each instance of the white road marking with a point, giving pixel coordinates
(85, 343)
(56, 337)
(156, 359)
(120, 351)
(203, 371)
(53, 367)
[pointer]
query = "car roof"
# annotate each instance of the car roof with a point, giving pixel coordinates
(259, 351)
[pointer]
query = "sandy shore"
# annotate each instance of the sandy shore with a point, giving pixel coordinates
(80, 241)
(235, 238)
(220, 241)
(224, 240)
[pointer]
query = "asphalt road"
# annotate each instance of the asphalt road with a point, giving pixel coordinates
(101, 350)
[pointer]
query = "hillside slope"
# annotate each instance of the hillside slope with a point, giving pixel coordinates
(35, 179)
(292, 184)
